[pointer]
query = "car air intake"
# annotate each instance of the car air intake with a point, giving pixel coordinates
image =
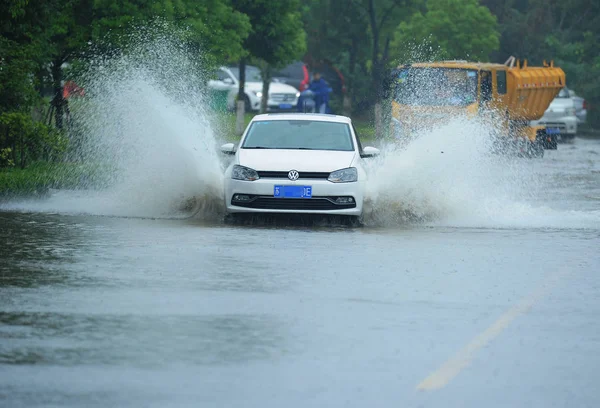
(284, 174)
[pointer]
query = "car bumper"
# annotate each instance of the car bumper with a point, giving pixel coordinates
(323, 201)
(274, 105)
(567, 125)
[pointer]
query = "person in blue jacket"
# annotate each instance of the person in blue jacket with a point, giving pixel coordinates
(321, 90)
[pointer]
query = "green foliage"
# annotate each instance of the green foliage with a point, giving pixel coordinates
(461, 29)
(355, 37)
(566, 31)
(40, 176)
(214, 29)
(277, 35)
(23, 140)
(581, 63)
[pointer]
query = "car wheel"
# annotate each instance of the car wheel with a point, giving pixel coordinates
(535, 149)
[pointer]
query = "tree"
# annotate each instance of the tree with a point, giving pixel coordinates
(337, 36)
(566, 31)
(215, 30)
(276, 37)
(355, 35)
(285, 43)
(461, 29)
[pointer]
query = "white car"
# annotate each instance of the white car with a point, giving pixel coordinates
(282, 97)
(297, 163)
(561, 115)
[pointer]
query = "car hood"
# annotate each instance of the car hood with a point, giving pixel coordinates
(301, 160)
(274, 87)
(560, 104)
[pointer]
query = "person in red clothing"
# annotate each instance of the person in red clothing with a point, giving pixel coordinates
(72, 89)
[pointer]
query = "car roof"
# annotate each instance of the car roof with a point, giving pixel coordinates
(324, 117)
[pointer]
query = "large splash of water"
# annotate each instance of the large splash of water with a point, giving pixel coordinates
(144, 119)
(448, 176)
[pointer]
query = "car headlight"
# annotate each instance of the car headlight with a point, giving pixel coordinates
(344, 175)
(243, 173)
(257, 93)
(297, 94)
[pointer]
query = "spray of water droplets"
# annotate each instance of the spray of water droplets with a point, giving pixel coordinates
(447, 174)
(144, 122)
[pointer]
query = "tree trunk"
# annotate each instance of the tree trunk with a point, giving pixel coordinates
(266, 77)
(240, 104)
(58, 100)
(347, 100)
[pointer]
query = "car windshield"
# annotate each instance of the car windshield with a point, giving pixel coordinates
(299, 134)
(436, 86)
(252, 73)
(564, 93)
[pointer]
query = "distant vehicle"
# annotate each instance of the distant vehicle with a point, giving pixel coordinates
(297, 163)
(430, 94)
(561, 115)
(299, 74)
(282, 97)
(296, 74)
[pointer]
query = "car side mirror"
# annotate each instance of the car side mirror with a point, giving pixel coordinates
(228, 81)
(369, 152)
(228, 148)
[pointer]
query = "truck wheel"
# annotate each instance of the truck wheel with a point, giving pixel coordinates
(536, 149)
(548, 142)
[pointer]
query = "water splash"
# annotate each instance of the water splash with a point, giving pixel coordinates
(144, 118)
(448, 176)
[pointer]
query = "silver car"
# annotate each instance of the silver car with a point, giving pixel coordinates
(561, 115)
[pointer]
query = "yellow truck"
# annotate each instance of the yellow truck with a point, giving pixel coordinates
(511, 95)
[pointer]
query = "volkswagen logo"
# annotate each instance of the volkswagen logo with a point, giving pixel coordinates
(293, 175)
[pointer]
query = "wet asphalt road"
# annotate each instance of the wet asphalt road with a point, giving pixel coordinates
(118, 312)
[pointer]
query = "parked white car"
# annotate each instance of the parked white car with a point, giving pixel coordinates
(297, 163)
(282, 97)
(561, 115)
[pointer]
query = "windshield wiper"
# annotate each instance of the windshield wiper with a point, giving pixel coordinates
(256, 147)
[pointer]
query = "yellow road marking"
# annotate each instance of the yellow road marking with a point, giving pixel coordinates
(451, 368)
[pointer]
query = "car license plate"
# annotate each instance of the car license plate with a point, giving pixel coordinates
(285, 106)
(292, 192)
(552, 131)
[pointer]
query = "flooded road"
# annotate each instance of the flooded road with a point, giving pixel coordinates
(121, 312)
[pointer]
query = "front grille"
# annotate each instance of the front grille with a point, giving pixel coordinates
(554, 125)
(279, 97)
(315, 203)
(284, 175)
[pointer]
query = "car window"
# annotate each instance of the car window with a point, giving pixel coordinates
(564, 93)
(501, 82)
(252, 73)
(299, 134)
(222, 75)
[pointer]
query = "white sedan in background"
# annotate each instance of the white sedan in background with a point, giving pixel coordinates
(297, 163)
(282, 97)
(560, 115)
